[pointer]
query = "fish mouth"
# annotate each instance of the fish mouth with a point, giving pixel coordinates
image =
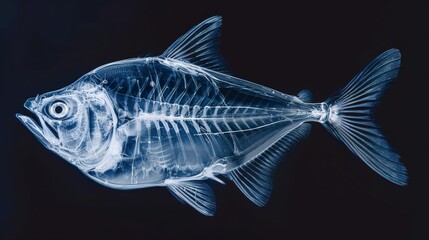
(42, 130)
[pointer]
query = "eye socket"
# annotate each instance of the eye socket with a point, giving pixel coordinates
(59, 110)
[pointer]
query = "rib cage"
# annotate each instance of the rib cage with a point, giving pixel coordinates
(175, 120)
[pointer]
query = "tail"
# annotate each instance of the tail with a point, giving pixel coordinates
(350, 117)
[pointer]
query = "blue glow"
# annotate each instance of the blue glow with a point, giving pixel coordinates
(178, 119)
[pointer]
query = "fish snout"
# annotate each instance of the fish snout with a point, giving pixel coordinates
(31, 104)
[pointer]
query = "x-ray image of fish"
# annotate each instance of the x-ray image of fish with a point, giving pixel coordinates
(178, 119)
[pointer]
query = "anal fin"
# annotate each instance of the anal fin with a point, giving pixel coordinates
(195, 193)
(254, 178)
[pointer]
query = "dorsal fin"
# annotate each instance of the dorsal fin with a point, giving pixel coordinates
(200, 45)
(254, 178)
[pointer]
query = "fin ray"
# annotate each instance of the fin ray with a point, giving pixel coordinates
(200, 46)
(196, 194)
(305, 95)
(351, 121)
(254, 178)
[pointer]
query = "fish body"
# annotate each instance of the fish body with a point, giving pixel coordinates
(178, 119)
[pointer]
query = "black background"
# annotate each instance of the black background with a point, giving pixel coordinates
(321, 191)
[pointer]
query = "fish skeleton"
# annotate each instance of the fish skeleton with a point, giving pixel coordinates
(179, 118)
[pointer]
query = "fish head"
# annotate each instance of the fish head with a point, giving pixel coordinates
(76, 122)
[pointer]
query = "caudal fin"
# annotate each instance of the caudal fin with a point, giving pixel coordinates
(350, 117)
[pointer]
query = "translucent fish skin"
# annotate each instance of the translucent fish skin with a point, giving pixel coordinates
(176, 119)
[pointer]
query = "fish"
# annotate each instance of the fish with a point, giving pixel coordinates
(179, 120)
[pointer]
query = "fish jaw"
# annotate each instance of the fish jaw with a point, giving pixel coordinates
(41, 131)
